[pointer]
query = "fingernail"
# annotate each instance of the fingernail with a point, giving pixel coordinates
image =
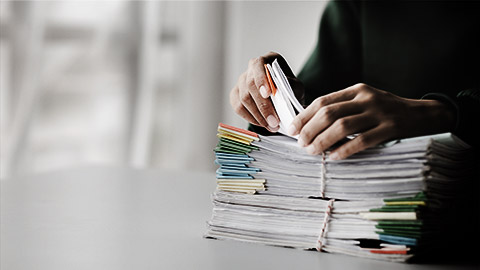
(292, 130)
(274, 129)
(272, 121)
(263, 92)
(334, 156)
(301, 142)
(311, 149)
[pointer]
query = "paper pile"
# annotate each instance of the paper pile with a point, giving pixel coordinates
(391, 202)
(388, 202)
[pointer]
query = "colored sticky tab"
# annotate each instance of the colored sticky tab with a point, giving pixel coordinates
(389, 215)
(403, 233)
(250, 134)
(247, 191)
(406, 203)
(240, 147)
(234, 138)
(398, 240)
(233, 156)
(230, 176)
(236, 134)
(270, 81)
(226, 150)
(240, 180)
(418, 197)
(389, 251)
(231, 142)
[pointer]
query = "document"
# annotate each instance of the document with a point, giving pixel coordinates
(393, 202)
(283, 98)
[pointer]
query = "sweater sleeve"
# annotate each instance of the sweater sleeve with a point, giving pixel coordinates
(467, 107)
(468, 102)
(336, 60)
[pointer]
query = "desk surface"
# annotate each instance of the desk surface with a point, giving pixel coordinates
(112, 218)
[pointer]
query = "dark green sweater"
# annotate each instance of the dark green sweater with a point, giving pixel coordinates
(411, 49)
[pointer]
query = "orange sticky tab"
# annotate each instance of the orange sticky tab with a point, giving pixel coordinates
(270, 81)
(248, 132)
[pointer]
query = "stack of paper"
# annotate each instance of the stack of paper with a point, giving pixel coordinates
(393, 170)
(388, 202)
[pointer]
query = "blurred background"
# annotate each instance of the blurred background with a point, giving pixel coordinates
(130, 83)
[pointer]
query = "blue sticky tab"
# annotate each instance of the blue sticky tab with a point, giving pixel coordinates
(400, 240)
(228, 155)
(238, 165)
(235, 171)
(238, 161)
(221, 176)
(240, 169)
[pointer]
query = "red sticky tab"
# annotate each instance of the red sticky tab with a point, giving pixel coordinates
(389, 251)
(247, 132)
(270, 81)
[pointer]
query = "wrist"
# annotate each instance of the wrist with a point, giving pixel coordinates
(433, 116)
(446, 100)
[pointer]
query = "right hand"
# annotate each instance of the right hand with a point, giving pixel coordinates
(250, 96)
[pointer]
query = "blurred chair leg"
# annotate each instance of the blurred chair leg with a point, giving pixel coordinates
(27, 45)
(144, 106)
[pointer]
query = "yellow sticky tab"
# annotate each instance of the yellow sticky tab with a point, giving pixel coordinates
(251, 185)
(247, 191)
(244, 138)
(242, 132)
(241, 187)
(239, 180)
(227, 136)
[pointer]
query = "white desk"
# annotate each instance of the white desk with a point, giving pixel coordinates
(112, 218)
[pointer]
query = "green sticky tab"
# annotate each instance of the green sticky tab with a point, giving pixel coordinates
(234, 147)
(401, 228)
(421, 196)
(230, 142)
(228, 150)
(409, 234)
(400, 222)
(396, 208)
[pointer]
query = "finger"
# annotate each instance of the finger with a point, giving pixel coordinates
(245, 114)
(239, 108)
(271, 56)
(323, 118)
(340, 129)
(302, 118)
(263, 105)
(273, 130)
(266, 110)
(348, 93)
(248, 102)
(256, 74)
(361, 142)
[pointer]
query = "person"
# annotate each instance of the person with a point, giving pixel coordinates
(383, 70)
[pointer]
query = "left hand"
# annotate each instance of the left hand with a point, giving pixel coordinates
(377, 116)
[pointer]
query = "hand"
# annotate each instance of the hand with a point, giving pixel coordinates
(377, 116)
(250, 97)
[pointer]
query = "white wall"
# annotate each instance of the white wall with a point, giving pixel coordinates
(254, 28)
(216, 41)
(89, 109)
